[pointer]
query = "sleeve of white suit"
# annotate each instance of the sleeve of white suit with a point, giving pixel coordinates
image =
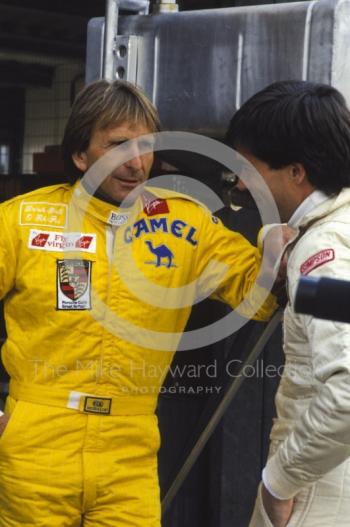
(320, 440)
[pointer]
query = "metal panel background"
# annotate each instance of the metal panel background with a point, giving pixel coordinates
(199, 66)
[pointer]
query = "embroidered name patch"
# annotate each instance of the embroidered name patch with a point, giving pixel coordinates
(57, 241)
(74, 284)
(318, 259)
(43, 214)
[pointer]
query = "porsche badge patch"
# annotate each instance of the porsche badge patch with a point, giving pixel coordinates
(74, 284)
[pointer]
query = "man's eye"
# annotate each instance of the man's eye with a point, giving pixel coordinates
(116, 143)
(146, 144)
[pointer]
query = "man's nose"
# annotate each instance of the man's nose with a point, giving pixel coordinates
(136, 160)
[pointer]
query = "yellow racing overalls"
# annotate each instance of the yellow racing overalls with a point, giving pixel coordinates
(96, 298)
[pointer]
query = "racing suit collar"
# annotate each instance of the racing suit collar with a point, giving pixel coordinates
(92, 205)
(104, 211)
(308, 205)
(318, 209)
(114, 214)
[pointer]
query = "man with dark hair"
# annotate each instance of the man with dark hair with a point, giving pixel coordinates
(97, 293)
(297, 135)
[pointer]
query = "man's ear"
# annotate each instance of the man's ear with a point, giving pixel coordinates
(298, 173)
(80, 161)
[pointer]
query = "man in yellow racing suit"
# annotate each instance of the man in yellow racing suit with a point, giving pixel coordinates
(93, 315)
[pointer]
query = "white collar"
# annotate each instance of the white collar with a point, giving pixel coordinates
(316, 198)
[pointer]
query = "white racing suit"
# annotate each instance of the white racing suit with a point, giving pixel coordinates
(310, 439)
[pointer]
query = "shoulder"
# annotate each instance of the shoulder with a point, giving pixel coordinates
(322, 251)
(45, 206)
(44, 194)
(185, 203)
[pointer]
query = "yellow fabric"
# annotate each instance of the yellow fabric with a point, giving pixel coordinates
(112, 349)
(104, 321)
(49, 395)
(58, 466)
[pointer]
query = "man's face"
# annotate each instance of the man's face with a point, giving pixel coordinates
(280, 183)
(117, 185)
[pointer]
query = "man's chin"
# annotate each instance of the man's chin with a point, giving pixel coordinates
(115, 196)
(122, 197)
(123, 189)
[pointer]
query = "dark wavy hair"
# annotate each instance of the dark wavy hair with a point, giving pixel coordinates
(297, 122)
(99, 105)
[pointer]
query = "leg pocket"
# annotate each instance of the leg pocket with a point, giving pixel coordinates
(302, 505)
(260, 517)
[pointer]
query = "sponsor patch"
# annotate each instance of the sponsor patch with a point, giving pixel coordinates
(117, 218)
(177, 228)
(43, 214)
(155, 206)
(58, 241)
(74, 284)
(318, 259)
(97, 405)
(163, 255)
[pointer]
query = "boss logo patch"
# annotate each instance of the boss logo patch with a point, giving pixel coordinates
(73, 284)
(117, 219)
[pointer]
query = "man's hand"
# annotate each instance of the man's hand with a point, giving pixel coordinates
(279, 511)
(275, 257)
(4, 419)
(275, 242)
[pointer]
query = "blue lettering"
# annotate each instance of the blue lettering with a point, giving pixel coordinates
(159, 223)
(140, 226)
(190, 235)
(176, 228)
(127, 235)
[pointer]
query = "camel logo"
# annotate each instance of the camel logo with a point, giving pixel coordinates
(163, 255)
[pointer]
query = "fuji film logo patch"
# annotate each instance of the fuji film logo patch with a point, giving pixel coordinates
(318, 259)
(57, 241)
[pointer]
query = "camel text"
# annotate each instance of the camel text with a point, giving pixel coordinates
(177, 228)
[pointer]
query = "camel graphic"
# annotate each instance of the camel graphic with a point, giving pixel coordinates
(162, 251)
